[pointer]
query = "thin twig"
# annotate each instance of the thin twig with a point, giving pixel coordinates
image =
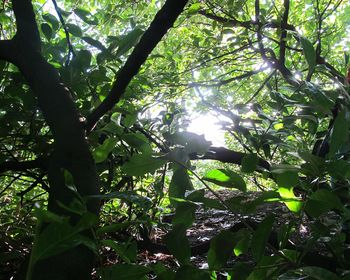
(69, 43)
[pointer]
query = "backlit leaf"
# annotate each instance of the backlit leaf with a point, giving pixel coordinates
(140, 164)
(225, 178)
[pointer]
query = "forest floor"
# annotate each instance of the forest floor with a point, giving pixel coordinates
(208, 223)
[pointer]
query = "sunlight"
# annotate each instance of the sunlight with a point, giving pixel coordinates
(208, 126)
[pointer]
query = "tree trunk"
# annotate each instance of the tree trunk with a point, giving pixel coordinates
(71, 150)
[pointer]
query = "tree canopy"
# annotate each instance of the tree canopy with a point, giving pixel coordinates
(97, 101)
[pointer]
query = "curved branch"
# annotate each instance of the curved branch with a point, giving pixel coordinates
(228, 156)
(246, 24)
(27, 28)
(163, 20)
(230, 80)
(283, 38)
(22, 165)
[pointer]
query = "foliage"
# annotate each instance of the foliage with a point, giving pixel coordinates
(274, 73)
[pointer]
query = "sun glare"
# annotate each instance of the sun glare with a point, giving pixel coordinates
(208, 126)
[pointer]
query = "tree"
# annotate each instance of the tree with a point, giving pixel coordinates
(70, 148)
(94, 111)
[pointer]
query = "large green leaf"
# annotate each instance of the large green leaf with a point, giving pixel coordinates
(309, 52)
(225, 178)
(267, 268)
(221, 248)
(60, 236)
(177, 243)
(74, 29)
(86, 16)
(286, 175)
(185, 214)
(261, 237)
(47, 30)
(322, 201)
(129, 41)
(137, 141)
(244, 239)
(97, 44)
(180, 183)
(339, 133)
(189, 272)
(194, 8)
(318, 273)
(140, 164)
(293, 203)
(198, 196)
(127, 251)
(52, 20)
(101, 153)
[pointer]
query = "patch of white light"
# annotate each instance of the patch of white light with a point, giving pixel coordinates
(262, 66)
(49, 7)
(297, 75)
(208, 125)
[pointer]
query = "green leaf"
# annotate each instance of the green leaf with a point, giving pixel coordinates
(93, 42)
(129, 41)
(177, 243)
(260, 237)
(225, 178)
(339, 133)
(124, 272)
(292, 202)
(47, 30)
(52, 20)
(185, 214)
(198, 196)
(291, 255)
(74, 29)
(240, 271)
(140, 164)
(163, 273)
(318, 273)
(221, 248)
(86, 16)
(137, 141)
(264, 197)
(189, 272)
(180, 183)
(309, 52)
(322, 201)
(59, 237)
(267, 268)
(339, 169)
(249, 163)
(127, 251)
(286, 175)
(129, 119)
(194, 8)
(82, 60)
(243, 244)
(101, 153)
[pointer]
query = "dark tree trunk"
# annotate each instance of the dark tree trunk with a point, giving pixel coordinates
(71, 150)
